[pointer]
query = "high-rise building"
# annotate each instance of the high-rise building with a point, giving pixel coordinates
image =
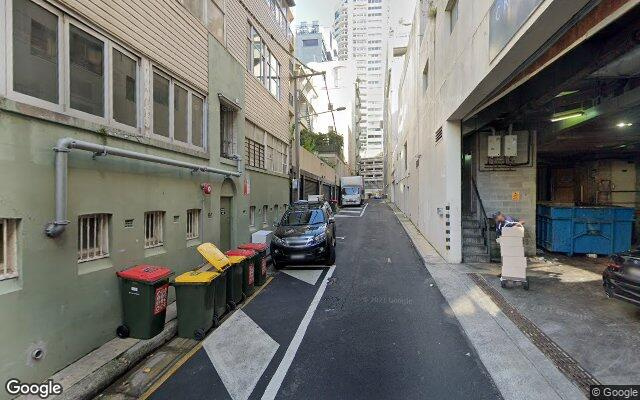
(311, 45)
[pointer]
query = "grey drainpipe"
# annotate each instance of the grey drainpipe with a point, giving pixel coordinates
(64, 147)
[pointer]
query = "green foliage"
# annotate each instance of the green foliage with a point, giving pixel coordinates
(314, 142)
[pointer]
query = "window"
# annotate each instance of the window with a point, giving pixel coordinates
(125, 89)
(227, 131)
(86, 72)
(265, 213)
(263, 63)
(252, 216)
(193, 224)
(215, 19)
(172, 100)
(254, 154)
(8, 248)
(93, 237)
(310, 42)
(438, 135)
(35, 51)
(453, 14)
(160, 105)
(153, 229)
(276, 211)
(180, 114)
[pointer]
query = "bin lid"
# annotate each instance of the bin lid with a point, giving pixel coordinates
(197, 277)
(237, 259)
(212, 254)
(241, 252)
(145, 273)
(253, 246)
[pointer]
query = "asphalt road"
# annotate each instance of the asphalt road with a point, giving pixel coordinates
(374, 327)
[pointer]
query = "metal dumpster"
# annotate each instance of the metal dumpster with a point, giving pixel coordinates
(584, 230)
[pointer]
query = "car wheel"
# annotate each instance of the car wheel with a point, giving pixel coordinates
(277, 264)
(332, 255)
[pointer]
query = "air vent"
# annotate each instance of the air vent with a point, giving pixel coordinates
(438, 135)
(128, 223)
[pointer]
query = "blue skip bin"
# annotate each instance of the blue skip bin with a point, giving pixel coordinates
(584, 230)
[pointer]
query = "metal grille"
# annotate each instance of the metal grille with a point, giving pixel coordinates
(8, 244)
(153, 229)
(438, 135)
(254, 153)
(93, 237)
(193, 224)
(561, 359)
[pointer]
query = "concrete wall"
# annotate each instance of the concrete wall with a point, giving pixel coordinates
(460, 75)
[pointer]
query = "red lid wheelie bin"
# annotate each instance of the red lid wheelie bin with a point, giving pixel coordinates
(248, 269)
(260, 264)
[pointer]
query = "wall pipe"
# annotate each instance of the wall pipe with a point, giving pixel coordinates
(64, 147)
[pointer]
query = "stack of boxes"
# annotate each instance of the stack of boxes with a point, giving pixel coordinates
(514, 263)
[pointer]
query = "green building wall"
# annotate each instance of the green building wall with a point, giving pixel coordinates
(68, 308)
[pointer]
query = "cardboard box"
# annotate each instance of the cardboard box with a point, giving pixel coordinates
(510, 241)
(514, 267)
(512, 251)
(513, 231)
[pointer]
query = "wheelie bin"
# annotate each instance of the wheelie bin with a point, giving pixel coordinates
(195, 297)
(248, 269)
(144, 290)
(228, 287)
(260, 261)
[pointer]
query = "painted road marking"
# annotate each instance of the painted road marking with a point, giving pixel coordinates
(240, 351)
(363, 210)
(277, 379)
(309, 276)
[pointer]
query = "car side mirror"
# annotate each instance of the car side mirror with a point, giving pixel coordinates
(332, 220)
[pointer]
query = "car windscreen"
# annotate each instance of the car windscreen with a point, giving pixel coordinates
(350, 190)
(303, 217)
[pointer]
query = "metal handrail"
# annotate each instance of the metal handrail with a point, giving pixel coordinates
(482, 214)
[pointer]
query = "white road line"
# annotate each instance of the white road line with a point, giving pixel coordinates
(276, 380)
(365, 207)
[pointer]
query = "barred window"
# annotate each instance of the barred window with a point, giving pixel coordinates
(93, 237)
(254, 153)
(153, 229)
(227, 131)
(193, 224)
(252, 216)
(8, 248)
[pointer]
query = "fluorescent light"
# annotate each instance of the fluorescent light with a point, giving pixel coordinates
(563, 116)
(566, 93)
(624, 124)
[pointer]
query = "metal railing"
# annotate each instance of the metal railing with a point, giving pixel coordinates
(481, 215)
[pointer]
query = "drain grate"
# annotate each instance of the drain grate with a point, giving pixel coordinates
(560, 358)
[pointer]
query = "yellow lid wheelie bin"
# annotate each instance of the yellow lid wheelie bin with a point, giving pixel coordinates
(195, 297)
(230, 278)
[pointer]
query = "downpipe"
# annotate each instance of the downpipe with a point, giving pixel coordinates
(64, 147)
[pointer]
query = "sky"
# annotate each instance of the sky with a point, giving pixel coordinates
(312, 10)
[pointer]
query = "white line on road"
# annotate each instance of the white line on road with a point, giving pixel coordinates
(276, 380)
(365, 207)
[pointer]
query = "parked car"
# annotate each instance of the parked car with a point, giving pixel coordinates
(621, 279)
(306, 233)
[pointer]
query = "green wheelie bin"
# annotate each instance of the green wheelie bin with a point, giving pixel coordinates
(260, 261)
(144, 290)
(248, 269)
(195, 297)
(226, 284)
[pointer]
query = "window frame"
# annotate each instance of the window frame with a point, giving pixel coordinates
(105, 219)
(232, 112)
(190, 92)
(139, 88)
(6, 237)
(194, 220)
(62, 49)
(106, 65)
(252, 216)
(160, 240)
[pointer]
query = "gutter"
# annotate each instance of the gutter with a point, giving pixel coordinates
(64, 147)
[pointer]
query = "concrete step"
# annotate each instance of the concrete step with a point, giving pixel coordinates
(475, 258)
(470, 223)
(474, 249)
(469, 232)
(468, 217)
(472, 240)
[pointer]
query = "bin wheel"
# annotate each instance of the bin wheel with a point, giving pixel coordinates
(608, 290)
(216, 321)
(503, 284)
(199, 334)
(525, 285)
(231, 305)
(244, 297)
(122, 331)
